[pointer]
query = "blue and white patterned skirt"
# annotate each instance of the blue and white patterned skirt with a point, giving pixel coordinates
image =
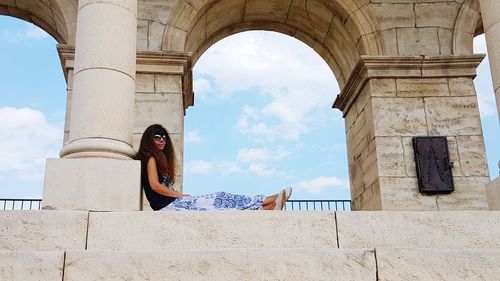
(219, 201)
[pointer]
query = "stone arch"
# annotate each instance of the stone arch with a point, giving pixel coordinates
(467, 26)
(56, 17)
(339, 31)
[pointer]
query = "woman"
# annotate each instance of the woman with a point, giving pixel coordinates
(157, 157)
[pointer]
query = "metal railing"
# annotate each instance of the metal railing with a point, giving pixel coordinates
(291, 205)
(318, 205)
(20, 204)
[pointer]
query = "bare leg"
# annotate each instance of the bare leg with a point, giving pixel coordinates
(269, 202)
(268, 206)
(270, 199)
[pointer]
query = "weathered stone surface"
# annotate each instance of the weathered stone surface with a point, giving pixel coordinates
(408, 111)
(275, 10)
(369, 198)
(469, 194)
(150, 231)
(390, 41)
(401, 193)
(92, 184)
(220, 16)
(168, 84)
(226, 264)
(382, 87)
(174, 39)
(43, 230)
(393, 15)
(26, 266)
(462, 87)
(422, 87)
(390, 157)
(472, 156)
(445, 37)
(418, 41)
(145, 83)
(156, 10)
(446, 230)
(452, 116)
(155, 36)
(438, 264)
(158, 108)
(142, 35)
(441, 14)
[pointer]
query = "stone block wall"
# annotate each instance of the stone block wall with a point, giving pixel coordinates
(381, 125)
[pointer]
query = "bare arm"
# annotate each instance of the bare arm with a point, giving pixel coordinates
(155, 182)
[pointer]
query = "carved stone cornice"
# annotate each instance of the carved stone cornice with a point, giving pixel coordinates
(150, 62)
(373, 67)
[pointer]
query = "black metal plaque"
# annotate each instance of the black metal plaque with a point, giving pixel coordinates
(433, 165)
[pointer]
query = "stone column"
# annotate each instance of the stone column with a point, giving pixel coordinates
(389, 100)
(103, 80)
(491, 23)
(89, 176)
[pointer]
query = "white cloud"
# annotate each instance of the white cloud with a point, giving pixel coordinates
(193, 137)
(260, 169)
(261, 154)
(27, 139)
(29, 31)
(199, 167)
(294, 78)
(201, 87)
(249, 160)
(318, 184)
(202, 167)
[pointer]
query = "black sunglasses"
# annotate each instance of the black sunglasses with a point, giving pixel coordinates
(158, 137)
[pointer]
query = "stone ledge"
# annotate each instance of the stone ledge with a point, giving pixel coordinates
(136, 231)
(223, 264)
(458, 229)
(43, 230)
(381, 67)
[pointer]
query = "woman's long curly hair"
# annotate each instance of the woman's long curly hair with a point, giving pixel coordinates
(165, 159)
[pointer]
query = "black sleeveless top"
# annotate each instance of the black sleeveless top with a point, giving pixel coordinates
(156, 200)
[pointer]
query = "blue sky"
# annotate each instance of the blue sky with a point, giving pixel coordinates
(262, 118)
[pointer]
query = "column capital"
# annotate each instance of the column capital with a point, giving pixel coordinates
(376, 67)
(149, 62)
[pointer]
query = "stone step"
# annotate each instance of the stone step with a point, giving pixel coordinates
(150, 231)
(253, 264)
(43, 230)
(130, 231)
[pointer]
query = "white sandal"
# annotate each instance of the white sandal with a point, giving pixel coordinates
(279, 203)
(288, 193)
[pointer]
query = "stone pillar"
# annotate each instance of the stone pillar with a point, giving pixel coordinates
(89, 176)
(491, 23)
(389, 100)
(103, 81)
(163, 93)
